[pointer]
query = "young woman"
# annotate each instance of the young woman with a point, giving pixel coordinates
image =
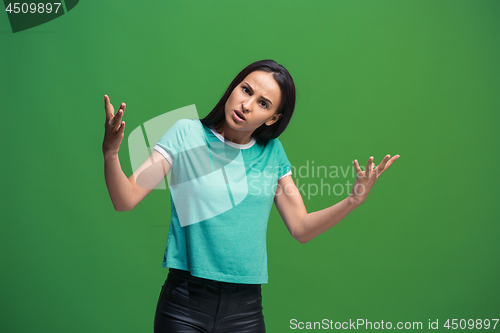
(226, 171)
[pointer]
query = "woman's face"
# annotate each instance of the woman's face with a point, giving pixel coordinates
(253, 102)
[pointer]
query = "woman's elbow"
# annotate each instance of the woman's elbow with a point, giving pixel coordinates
(301, 241)
(122, 207)
(119, 209)
(300, 237)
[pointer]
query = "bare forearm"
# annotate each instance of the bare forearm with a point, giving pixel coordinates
(119, 187)
(315, 223)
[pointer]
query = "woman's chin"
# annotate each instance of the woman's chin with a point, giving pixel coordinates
(232, 123)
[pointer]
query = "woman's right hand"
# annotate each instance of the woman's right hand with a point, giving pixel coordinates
(114, 128)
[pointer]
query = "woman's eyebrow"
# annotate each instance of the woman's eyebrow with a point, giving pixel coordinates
(250, 87)
(267, 100)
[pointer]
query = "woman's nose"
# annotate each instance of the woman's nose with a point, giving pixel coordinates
(247, 104)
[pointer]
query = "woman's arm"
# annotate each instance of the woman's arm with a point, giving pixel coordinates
(305, 226)
(126, 193)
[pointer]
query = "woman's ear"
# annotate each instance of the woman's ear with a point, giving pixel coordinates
(274, 119)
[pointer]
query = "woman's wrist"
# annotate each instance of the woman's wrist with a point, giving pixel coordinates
(109, 156)
(354, 200)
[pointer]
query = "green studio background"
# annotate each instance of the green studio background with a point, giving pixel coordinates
(415, 78)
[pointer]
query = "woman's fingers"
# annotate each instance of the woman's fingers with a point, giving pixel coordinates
(114, 127)
(380, 168)
(358, 169)
(388, 163)
(369, 166)
(117, 120)
(111, 118)
(392, 160)
(110, 111)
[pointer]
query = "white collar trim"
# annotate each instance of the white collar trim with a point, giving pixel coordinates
(231, 143)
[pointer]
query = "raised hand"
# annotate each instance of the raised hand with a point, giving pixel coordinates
(114, 128)
(366, 179)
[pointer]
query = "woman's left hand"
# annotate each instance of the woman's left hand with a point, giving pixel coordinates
(366, 179)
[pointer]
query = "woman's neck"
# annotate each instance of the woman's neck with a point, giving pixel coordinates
(239, 137)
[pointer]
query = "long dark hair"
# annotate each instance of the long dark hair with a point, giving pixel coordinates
(263, 133)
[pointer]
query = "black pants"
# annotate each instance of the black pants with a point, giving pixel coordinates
(191, 304)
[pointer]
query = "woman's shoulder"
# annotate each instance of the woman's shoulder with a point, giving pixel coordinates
(274, 144)
(186, 123)
(272, 147)
(182, 129)
(187, 126)
(278, 149)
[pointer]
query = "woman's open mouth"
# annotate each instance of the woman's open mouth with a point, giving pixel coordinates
(238, 115)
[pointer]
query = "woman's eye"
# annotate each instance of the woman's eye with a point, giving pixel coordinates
(245, 90)
(263, 104)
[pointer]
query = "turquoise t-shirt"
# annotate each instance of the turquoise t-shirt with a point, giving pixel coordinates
(221, 194)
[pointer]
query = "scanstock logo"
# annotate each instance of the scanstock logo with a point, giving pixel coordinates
(206, 180)
(26, 15)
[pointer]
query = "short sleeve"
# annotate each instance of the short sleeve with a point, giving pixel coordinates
(171, 143)
(284, 166)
